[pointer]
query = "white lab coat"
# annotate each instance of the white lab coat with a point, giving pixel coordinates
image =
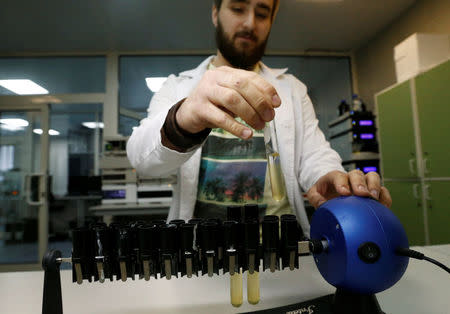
(304, 152)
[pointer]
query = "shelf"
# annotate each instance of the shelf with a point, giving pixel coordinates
(131, 209)
(363, 156)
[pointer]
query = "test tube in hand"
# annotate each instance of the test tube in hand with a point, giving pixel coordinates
(273, 162)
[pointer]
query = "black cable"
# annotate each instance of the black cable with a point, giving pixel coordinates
(435, 262)
(420, 256)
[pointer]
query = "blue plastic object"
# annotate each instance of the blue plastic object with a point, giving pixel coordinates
(351, 224)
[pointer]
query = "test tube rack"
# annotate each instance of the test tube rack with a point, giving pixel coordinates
(193, 248)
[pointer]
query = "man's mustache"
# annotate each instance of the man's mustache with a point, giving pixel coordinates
(247, 34)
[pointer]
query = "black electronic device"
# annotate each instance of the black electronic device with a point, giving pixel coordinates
(94, 185)
(354, 137)
(78, 185)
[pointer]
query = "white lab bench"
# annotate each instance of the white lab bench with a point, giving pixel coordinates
(424, 288)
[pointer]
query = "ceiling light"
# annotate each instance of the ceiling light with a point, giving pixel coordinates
(155, 83)
(93, 125)
(14, 122)
(23, 87)
(51, 132)
(10, 127)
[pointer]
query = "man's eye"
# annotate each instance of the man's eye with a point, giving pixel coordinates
(237, 9)
(262, 15)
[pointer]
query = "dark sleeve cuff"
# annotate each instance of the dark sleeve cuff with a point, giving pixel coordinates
(175, 138)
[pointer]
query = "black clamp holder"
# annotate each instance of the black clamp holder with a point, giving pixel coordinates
(231, 259)
(270, 243)
(189, 250)
(169, 251)
(209, 248)
(251, 246)
(289, 242)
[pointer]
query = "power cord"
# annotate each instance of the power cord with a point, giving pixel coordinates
(421, 256)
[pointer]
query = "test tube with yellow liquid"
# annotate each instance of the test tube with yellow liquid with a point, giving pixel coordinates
(252, 260)
(252, 283)
(273, 162)
(236, 293)
(231, 232)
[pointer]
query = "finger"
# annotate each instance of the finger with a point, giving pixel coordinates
(385, 197)
(258, 93)
(235, 105)
(265, 87)
(373, 184)
(246, 84)
(215, 117)
(358, 183)
(315, 198)
(341, 182)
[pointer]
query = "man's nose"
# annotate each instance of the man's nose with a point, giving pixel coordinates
(249, 21)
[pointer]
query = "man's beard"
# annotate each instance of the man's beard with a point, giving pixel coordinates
(239, 58)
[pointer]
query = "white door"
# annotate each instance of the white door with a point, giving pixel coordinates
(24, 148)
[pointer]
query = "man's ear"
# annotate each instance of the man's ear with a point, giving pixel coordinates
(214, 13)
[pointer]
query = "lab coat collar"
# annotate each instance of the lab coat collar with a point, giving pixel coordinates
(198, 70)
(265, 70)
(275, 73)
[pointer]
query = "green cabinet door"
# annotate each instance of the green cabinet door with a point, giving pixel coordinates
(433, 105)
(438, 211)
(407, 206)
(396, 132)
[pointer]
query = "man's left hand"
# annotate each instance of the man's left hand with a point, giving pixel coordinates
(336, 183)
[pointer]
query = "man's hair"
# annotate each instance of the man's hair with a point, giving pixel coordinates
(218, 3)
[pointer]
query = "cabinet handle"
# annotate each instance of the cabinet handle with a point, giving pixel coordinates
(416, 191)
(411, 166)
(425, 165)
(427, 192)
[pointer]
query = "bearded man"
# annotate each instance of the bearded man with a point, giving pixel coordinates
(205, 125)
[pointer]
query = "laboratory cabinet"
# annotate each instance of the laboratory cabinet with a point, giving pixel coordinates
(437, 194)
(433, 107)
(407, 206)
(414, 141)
(396, 133)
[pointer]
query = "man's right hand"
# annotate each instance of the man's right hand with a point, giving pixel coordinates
(225, 93)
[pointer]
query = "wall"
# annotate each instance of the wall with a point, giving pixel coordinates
(328, 80)
(375, 61)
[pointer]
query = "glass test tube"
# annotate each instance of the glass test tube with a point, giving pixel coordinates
(231, 233)
(273, 162)
(251, 244)
(253, 287)
(236, 293)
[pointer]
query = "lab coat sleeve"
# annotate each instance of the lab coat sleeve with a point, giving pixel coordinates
(317, 158)
(144, 148)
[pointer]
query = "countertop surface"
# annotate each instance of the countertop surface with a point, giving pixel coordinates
(424, 288)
